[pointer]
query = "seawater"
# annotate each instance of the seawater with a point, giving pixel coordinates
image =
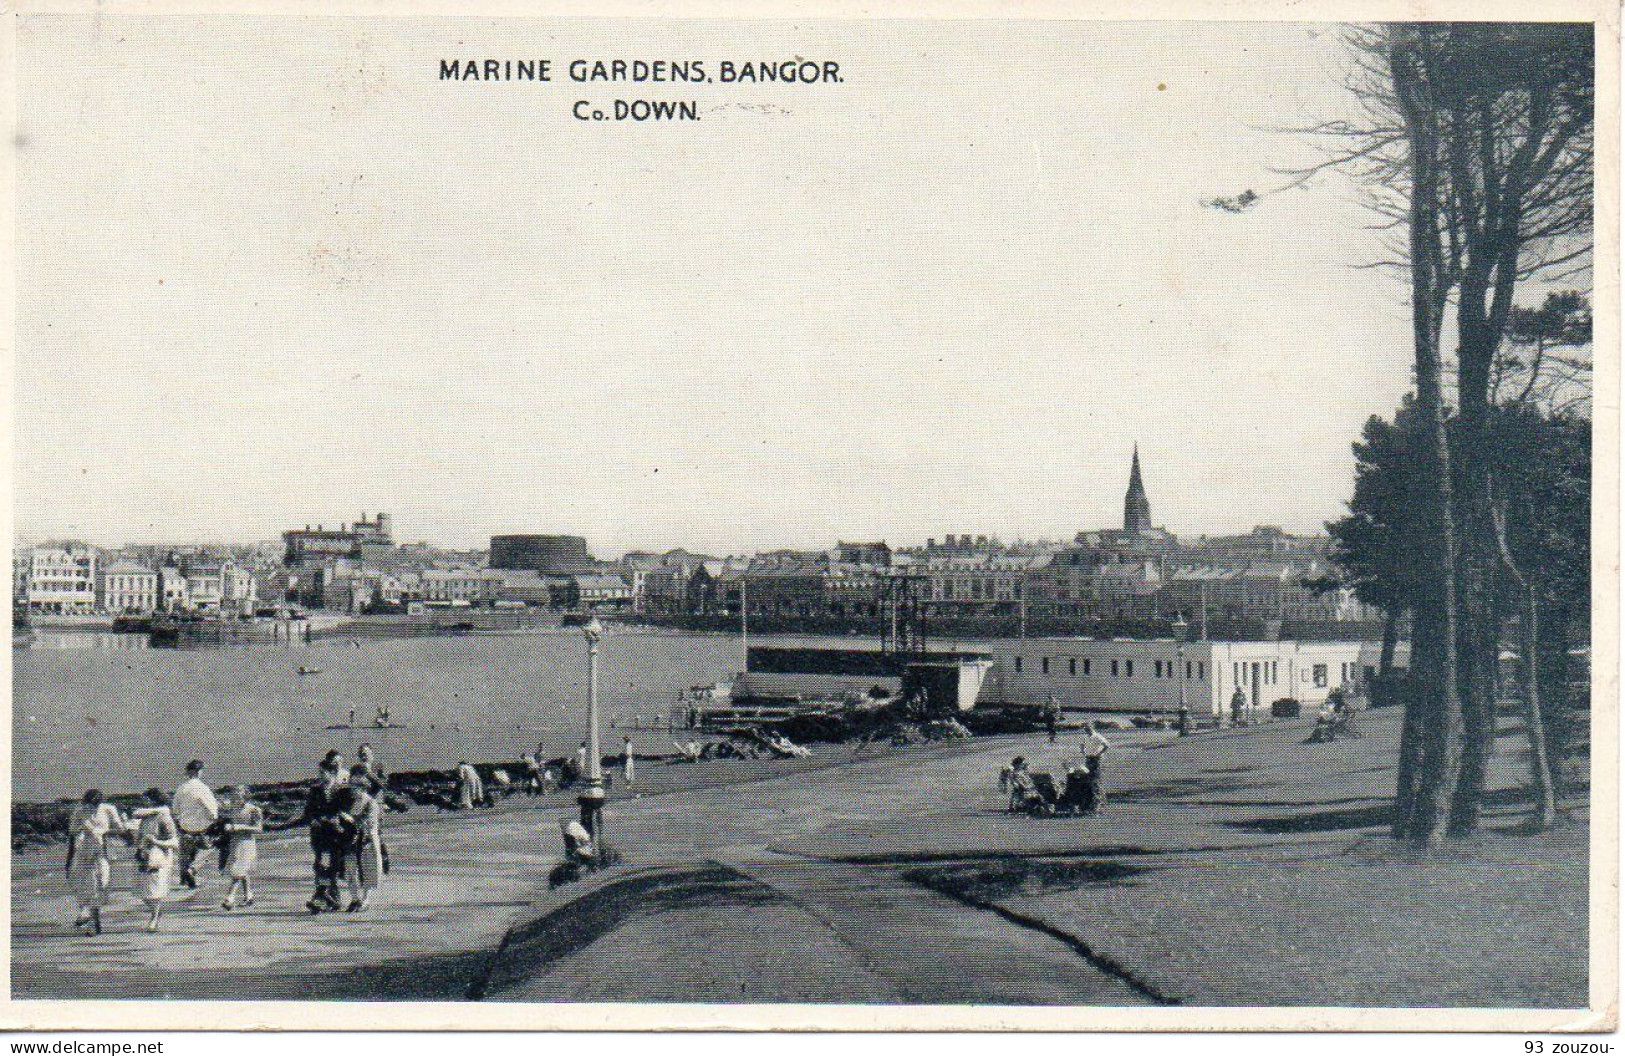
(101, 710)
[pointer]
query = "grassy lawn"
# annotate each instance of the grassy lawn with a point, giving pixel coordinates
(1325, 910)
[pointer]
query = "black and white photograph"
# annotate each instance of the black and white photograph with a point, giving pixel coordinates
(996, 522)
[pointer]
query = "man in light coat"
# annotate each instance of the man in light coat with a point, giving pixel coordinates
(1095, 746)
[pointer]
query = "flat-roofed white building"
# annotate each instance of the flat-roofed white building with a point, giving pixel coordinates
(1147, 675)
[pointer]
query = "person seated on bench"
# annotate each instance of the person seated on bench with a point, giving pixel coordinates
(578, 846)
(1018, 781)
(1325, 724)
(1336, 717)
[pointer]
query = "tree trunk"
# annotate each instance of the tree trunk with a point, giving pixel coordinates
(1410, 762)
(1542, 788)
(1479, 646)
(1557, 706)
(1540, 764)
(1435, 725)
(1390, 642)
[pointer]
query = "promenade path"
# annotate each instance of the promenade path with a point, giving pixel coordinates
(889, 876)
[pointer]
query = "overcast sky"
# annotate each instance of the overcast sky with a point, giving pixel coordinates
(272, 274)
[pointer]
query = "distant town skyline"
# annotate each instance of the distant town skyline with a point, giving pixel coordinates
(754, 331)
(1141, 521)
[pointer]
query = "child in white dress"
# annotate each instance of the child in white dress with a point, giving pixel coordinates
(244, 822)
(158, 841)
(364, 858)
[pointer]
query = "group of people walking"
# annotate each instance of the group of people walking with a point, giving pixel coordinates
(169, 833)
(344, 812)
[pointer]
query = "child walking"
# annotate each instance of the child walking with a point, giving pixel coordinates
(364, 857)
(244, 822)
(158, 842)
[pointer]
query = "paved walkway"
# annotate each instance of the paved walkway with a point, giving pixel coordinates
(461, 882)
(801, 887)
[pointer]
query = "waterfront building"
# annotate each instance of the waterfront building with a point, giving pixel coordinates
(968, 583)
(57, 580)
(127, 587)
(597, 591)
(669, 587)
(469, 587)
(852, 590)
(367, 541)
(558, 555)
(173, 595)
(1274, 590)
(728, 584)
(357, 589)
(219, 586)
(1141, 675)
(203, 586)
(634, 567)
(1129, 676)
(782, 589)
(521, 588)
(705, 587)
(816, 587)
(456, 586)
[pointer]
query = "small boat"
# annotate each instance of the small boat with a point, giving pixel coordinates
(303, 670)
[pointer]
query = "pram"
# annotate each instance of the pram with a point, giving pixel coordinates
(1038, 796)
(1044, 800)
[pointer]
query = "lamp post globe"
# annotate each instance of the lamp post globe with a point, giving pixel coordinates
(592, 797)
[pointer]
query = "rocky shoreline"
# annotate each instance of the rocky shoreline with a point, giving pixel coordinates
(46, 824)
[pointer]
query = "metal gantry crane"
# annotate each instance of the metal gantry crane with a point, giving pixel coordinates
(902, 604)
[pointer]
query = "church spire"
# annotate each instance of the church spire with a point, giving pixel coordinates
(1136, 507)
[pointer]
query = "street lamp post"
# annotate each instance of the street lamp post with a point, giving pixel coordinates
(1180, 627)
(592, 799)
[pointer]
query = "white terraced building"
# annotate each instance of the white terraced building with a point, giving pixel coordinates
(55, 580)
